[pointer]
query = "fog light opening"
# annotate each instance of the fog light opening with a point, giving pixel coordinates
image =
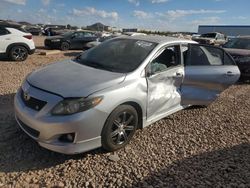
(69, 138)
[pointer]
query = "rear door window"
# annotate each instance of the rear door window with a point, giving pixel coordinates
(203, 55)
(3, 31)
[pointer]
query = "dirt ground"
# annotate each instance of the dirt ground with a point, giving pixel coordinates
(196, 147)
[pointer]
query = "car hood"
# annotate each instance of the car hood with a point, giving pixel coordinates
(71, 79)
(238, 52)
(203, 38)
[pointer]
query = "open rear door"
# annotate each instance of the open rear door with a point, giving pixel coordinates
(208, 71)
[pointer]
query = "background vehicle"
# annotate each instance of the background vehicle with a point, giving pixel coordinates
(16, 44)
(100, 40)
(133, 33)
(239, 48)
(70, 40)
(34, 30)
(53, 31)
(211, 39)
(105, 94)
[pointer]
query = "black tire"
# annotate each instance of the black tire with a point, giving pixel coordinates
(18, 53)
(65, 46)
(119, 128)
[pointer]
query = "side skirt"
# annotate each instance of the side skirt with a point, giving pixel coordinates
(157, 118)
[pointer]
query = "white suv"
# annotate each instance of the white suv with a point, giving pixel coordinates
(15, 44)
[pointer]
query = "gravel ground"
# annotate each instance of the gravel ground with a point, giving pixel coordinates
(196, 147)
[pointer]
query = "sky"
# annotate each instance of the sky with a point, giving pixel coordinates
(159, 15)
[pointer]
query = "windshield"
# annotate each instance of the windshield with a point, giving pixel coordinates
(117, 55)
(209, 35)
(238, 43)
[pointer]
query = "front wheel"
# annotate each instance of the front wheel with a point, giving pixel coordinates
(65, 46)
(119, 127)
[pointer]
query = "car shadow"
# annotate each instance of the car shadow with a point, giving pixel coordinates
(18, 152)
(195, 107)
(41, 48)
(243, 82)
(4, 58)
(72, 54)
(229, 167)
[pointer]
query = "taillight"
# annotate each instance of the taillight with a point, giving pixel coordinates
(28, 37)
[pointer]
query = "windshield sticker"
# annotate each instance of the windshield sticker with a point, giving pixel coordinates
(144, 44)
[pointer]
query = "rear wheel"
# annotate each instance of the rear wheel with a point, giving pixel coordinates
(18, 53)
(65, 46)
(119, 127)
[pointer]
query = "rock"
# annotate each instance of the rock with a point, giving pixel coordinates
(87, 184)
(60, 184)
(114, 158)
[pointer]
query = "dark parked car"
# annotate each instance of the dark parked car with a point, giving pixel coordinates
(71, 40)
(239, 48)
(34, 30)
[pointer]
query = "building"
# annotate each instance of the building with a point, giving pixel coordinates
(98, 27)
(130, 30)
(229, 30)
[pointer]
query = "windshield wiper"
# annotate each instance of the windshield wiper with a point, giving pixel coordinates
(95, 64)
(104, 67)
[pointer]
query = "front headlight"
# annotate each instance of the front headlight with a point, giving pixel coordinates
(210, 41)
(72, 106)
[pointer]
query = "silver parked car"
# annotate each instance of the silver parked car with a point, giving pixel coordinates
(101, 97)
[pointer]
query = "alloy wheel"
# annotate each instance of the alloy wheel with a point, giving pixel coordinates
(122, 128)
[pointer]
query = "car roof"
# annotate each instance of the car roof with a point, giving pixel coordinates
(157, 39)
(84, 31)
(244, 37)
(212, 33)
(16, 31)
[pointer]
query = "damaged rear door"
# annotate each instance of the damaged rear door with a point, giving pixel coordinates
(208, 71)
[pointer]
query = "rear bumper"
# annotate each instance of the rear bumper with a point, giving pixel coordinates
(32, 51)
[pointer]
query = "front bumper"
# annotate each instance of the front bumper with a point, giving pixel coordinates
(47, 129)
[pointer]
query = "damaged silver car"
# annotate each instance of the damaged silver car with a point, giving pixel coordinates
(101, 97)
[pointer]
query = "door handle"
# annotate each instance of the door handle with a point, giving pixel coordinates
(229, 73)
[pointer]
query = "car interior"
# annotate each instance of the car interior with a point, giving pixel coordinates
(168, 58)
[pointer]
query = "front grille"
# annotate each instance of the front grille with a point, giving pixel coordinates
(203, 42)
(32, 102)
(28, 129)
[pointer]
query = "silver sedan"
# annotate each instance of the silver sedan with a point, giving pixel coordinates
(102, 96)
